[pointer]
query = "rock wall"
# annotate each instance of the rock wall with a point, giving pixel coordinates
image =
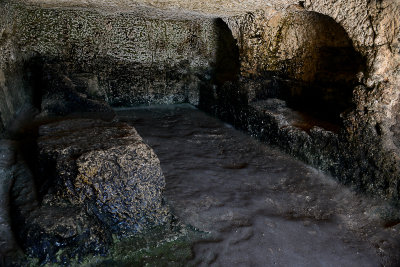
(136, 57)
(307, 53)
(319, 79)
(374, 28)
(328, 58)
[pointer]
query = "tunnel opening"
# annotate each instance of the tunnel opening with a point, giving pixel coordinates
(312, 68)
(330, 93)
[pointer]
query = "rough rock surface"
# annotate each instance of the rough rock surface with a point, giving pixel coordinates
(302, 57)
(260, 206)
(64, 95)
(89, 180)
(8, 243)
(107, 168)
(17, 197)
(319, 79)
(231, 58)
(139, 56)
(61, 233)
(269, 40)
(92, 181)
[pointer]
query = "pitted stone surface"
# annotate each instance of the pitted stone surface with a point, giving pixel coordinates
(107, 168)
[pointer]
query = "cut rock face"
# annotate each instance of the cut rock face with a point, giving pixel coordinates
(139, 57)
(106, 167)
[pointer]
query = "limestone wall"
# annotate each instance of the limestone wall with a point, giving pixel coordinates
(283, 42)
(374, 28)
(135, 56)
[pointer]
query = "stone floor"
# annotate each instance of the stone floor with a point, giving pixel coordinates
(259, 206)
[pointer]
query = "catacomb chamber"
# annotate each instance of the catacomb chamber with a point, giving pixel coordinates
(305, 59)
(297, 79)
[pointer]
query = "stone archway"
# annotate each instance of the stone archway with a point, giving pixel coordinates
(304, 58)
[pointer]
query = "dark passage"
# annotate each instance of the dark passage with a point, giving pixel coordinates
(330, 91)
(318, 74)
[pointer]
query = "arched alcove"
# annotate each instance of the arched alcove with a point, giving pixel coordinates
(311, 64)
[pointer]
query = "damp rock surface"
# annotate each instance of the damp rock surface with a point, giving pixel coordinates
(259, 206)
(61, 234)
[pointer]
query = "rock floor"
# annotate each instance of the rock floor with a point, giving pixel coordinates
(260, 206)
